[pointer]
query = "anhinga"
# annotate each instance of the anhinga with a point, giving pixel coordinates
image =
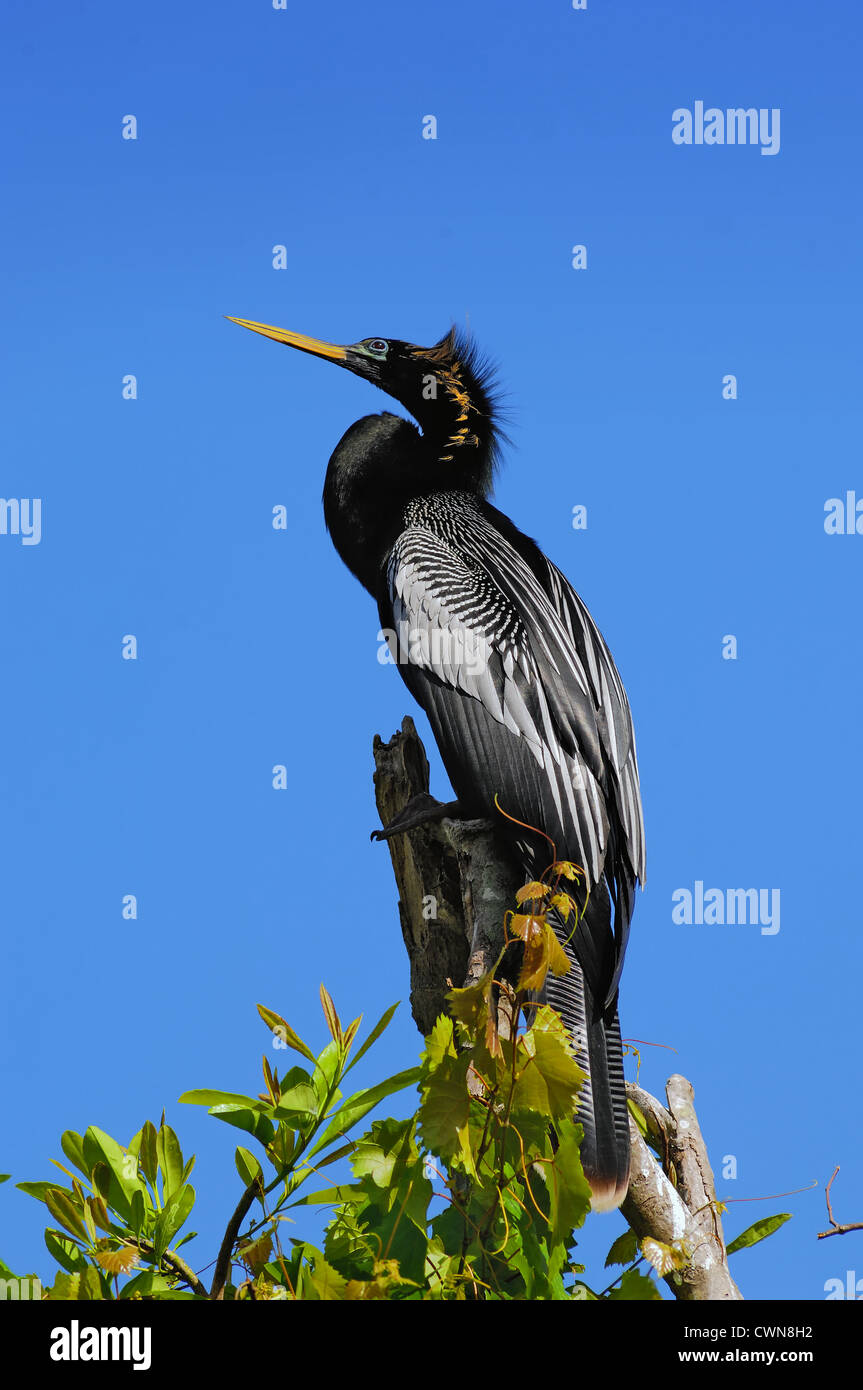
(523, 697)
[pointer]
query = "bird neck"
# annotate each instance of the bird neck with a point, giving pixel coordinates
(380, 465)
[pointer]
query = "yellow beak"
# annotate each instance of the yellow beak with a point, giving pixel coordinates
(298, 340)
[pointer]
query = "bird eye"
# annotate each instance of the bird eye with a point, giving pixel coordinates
(377, 345)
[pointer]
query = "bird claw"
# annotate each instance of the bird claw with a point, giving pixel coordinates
(418, 811)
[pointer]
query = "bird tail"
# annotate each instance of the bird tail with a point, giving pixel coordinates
(602, 1108)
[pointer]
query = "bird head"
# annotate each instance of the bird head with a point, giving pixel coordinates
(446, 388)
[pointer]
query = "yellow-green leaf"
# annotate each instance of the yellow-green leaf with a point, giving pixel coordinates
(558, 961)
(532, 892)
(445, 1111)
(564, 869)
(760, 1230)
(333, 1020)
(624, 1250)
(548, 1078)
(64, 1210)
(565, 905)
(658, 1254)
(257, 1254)
(524, 925)
(285, 1033)
(247, 1165)
(120, 1261)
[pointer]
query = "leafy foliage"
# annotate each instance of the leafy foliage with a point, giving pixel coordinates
(474, 1196)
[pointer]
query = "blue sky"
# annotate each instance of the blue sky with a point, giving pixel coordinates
(303, 128)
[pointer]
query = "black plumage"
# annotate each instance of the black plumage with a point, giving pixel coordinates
(521, 692)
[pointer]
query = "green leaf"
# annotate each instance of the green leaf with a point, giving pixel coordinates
(39, 1189)
(356, 1107)
(170, 1157)
(68, 1172)
(473, 1006)
(66, 1211)
(85, 1286)
(330, 1014)
(326, 1281)
(382, 1024)
(72, 1145)
(440, 1043)
(233, 1098)
(4, 1177)
(391, 1171)
(329, 1196)
(249, 1120)
(148, 1153)
(638, 1115)
(137, 1212)
(341, 1152)
(444, 1115)
(382, 1154)
(148, 1284)
(101, 1148)
(285, 1033)
(67, 1254)
(636, 1287)
(549, 1078)
(326, 1071)
(172, 1217)
(102, 1217)
(298, 1104)
(89, 1222)
(760, 1230)
(624, 1250)
(248, 1166)
(280, 1150)
(568, 1188)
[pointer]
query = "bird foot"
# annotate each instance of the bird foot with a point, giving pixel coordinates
(418, 811)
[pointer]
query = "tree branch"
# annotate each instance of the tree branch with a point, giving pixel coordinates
(226, 1250)
(454, 891)
(177, 1264)
(837, 1229)
(684, 1210)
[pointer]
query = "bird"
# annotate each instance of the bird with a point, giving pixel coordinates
(526, 705)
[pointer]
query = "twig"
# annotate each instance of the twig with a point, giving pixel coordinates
(838, 1229)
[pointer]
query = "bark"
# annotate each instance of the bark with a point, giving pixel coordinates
(674, 1199)
(454, 891)
(453, 887)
